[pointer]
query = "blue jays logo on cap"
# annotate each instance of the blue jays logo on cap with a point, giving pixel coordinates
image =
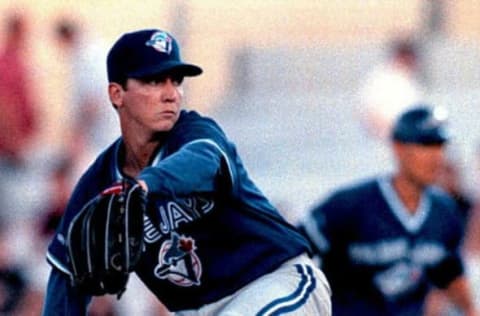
(161, 41)
(422, 124)
(437, 118)
(132, 56)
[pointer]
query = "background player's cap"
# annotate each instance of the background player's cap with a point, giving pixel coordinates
(146, 53)
(422, 124)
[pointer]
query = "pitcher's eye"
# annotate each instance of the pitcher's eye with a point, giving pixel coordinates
(177, 79)
(153, 81)
(157, 80)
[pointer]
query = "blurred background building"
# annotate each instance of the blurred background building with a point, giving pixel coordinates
(281, 76)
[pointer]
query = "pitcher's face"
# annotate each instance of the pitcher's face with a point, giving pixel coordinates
(151, 104)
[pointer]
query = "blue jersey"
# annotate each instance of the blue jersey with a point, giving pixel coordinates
(208, 229)
(379, 258)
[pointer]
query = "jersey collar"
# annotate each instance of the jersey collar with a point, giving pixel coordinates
(118, 174)
(411, 222)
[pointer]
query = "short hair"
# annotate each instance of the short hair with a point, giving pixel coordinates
(15, 24)
(404, 48)
(66, 29)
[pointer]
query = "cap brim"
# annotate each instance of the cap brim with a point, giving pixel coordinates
(187, 70)
(436, 138)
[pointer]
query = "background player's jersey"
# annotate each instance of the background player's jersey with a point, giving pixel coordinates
(380, 259)
(208, 229)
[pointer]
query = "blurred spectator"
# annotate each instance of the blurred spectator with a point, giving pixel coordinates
(18, 119)
(13, 281)
(391, 87)
(19, 128)
(93, 125)
(29, 235)
(59, 187)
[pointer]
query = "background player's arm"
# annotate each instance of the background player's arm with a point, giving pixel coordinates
(62, 299)
(460, 294)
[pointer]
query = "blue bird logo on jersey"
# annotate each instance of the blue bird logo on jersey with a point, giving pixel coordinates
(161, 41)
(178, 261)
(400, 279)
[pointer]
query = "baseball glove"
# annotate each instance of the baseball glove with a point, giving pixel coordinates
(105, 239)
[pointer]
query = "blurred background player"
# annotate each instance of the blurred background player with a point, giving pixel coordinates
(384, 242)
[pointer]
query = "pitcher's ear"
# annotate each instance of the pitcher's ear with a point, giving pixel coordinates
(115, 93)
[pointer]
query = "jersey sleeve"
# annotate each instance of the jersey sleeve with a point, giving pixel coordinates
(324, 223)
(199, 159)
(62, 299)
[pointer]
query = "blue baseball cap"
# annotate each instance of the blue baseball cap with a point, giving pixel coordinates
(422, 124)
(146, 53)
